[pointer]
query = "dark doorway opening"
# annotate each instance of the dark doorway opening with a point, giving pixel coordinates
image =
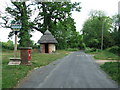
(46, 48)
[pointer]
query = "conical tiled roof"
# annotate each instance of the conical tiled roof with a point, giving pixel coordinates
(47, 38)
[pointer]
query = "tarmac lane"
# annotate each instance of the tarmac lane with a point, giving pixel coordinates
(77, 70)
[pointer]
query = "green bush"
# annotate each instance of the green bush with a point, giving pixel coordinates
(112, 68)
(8, 45)
(87, 49)
(35, 46)
(72, 49)
(98, 50)
(113, 49)
(84, 46)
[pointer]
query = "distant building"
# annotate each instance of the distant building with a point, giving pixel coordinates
(47, 43)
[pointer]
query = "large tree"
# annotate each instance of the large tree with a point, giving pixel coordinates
(52, 12)
(92, 30)
(20, 11)
(49, 14)
(66, 34)
(116, 31)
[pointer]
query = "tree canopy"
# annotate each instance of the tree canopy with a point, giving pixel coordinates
(55, 16)
(92, 30)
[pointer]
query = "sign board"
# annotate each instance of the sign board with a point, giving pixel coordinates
(16, 25)
(14, 62)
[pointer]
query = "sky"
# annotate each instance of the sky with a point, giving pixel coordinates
(110, 7)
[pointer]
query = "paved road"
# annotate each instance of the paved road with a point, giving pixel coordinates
(77, 70)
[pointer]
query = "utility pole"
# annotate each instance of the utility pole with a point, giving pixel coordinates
(102, 35)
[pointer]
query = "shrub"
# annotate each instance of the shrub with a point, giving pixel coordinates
(113, 49)
(84, 46)
(87, 49)
(8, 45)
(98, 50)
(72, 49)
(112, 68)
(35, 46)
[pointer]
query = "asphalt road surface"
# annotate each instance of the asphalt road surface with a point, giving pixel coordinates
(77, 70)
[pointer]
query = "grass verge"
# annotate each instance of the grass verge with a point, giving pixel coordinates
(105, 55)
(113, 69)
(12, 74)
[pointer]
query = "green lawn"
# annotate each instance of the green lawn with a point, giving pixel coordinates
(113, 69)
(12, 74)
(105, 55)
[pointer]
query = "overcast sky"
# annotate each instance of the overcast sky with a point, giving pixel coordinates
(110, 7)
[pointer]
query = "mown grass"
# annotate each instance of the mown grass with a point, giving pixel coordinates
(12, 74)
(113, 69)
(105, 55)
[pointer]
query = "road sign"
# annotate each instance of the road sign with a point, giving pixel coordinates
(16, 25)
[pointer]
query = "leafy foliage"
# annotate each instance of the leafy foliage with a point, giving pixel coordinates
(92, 30)
(116, 31)
(52, 12)
(88, 50)
(54, 16)
(113, 49)
(7, 45)
(66, 34)
(112, 68)
(72, 49)
(21, 12)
